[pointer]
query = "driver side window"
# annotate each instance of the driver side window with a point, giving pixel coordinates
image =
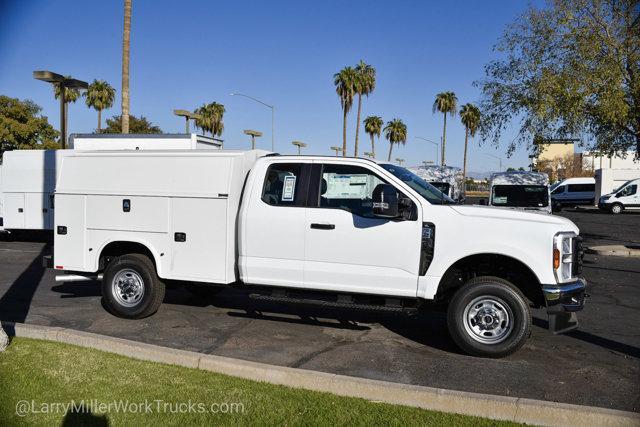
(630, 190)
(558, 190)
(349, 188)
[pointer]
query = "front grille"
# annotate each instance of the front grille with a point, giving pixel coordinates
(578, 255)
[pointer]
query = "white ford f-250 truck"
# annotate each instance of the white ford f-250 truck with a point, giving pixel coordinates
(344, 232)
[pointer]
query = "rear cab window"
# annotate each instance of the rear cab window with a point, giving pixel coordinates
(285, 184)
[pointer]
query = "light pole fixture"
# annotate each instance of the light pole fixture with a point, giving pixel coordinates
(300, 145)
(273, 114)
(495, 157)
(400, 161)
(63, 82)
(434, 143)
(337, 150)
(253, 134)
(369, 154)
(188, 115)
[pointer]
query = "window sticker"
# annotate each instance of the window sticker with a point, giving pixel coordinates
(500, 200)
(288, 188)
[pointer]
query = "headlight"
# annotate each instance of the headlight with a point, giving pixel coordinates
(563, 256)
(604, 198)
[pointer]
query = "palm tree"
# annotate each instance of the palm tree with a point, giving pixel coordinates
(445, 103)
(365, 84)
(210, 120)
(470, 117)
(99, 96)
(70, 95)
(396, 132)
(345, 81)
(373, 127)
(126, 35)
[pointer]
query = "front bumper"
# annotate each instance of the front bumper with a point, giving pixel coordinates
(563, 301)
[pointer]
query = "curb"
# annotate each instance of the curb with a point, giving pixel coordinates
(514, 409)
(613, 250)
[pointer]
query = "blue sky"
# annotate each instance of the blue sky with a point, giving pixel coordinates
(186, 53)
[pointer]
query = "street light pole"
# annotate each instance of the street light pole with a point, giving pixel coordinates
(434, 143)
(300, 145)
(188, 115)
(253, 134)
(273, 115)
(64, 83)
(495, 157)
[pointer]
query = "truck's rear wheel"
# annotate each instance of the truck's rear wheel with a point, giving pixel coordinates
(489, 317)
(131, 288)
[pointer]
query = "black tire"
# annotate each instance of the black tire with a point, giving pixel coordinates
(616, 208)
(134, 267)
(503, 294)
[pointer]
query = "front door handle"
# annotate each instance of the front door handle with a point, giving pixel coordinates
(323, 226)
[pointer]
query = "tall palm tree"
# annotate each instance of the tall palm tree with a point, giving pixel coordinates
(396, 133)
(365, 84)
(470, 117)
(345, 80)
(373, 127)
(445, 103)
(126, 36)
(99, 96)
(218, 114)
(70, 95)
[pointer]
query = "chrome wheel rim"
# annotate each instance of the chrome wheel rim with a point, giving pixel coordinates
(488, 319)
(127, 287)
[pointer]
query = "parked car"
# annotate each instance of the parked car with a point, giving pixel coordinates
(625, 197)
(574, 192)
(520, 190)
(341, 232)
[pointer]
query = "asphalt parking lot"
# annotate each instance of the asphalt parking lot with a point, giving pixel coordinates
(597, 365)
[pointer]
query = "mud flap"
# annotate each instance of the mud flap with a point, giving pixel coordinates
(562, 322)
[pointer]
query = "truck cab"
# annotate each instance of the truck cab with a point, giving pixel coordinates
(626, 197)
(345, 232)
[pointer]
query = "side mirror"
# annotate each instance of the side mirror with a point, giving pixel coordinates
(619, 194)
(483, 202)
(385, 201)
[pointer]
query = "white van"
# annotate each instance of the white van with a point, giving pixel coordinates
(325, 231)
(574, 192)
(28, 177)
(625, 197)
(447, 179)
(520, 190)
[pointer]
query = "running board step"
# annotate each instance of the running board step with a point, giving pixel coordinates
(333, 304)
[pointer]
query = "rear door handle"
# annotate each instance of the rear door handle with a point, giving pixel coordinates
(323, 226)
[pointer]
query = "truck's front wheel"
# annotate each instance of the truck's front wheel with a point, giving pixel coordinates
(489, 317)
(131, 288)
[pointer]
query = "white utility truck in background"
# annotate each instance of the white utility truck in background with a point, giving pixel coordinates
(329, 231)
(625, 197)
(520, 190)
(28, 177)
(447, 179)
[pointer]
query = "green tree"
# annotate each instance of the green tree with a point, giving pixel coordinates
(445, 103)
(22, 126)
(345, 82)
(70, 95)
(136, 125)
(126, 42)
(470, 117)
(211, 120)
(365, 84)
(396, 133)
(373, 127)
(99, 96)
(571, 68)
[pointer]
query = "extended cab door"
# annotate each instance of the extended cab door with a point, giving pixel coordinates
(273, 225)
(347, 248)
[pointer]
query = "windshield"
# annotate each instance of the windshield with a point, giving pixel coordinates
(442, 186)
(521, 196)
(422, 187)
(623, 185)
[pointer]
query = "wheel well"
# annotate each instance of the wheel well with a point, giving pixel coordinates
(116, 249)
(497, 265)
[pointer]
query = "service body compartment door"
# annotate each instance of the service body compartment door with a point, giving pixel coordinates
(13, 210)
(69, 232)
(199, 239)
(36, 209)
